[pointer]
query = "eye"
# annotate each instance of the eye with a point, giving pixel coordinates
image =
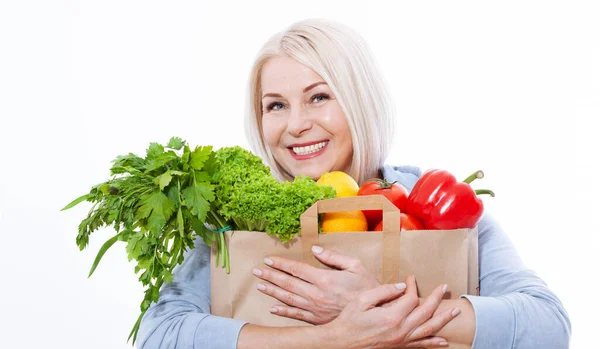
(320, 97)
(275, 106)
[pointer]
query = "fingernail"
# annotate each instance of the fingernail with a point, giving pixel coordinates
(273, 310)
(455, 312)
(268, 261)
(445, 288)
(256, 272)
(401, 286)
(444, 344)
(261, 287)
(317, 249)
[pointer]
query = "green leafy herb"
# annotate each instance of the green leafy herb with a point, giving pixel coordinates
(158, 204)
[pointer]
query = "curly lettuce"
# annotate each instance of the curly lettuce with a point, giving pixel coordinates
(252, 199)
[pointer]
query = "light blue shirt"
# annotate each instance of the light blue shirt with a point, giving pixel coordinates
(515, 308)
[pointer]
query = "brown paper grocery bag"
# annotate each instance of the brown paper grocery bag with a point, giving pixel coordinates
(433, 256)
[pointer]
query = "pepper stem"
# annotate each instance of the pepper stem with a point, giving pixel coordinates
(484, 191)
(476, 175)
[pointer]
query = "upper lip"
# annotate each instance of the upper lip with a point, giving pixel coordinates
(306, 144)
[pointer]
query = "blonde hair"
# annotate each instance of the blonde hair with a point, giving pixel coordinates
(342, 58)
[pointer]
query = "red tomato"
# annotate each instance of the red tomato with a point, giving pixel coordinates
(392, 191)
(406, 223)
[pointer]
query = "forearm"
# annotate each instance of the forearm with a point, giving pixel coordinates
(302, 337)
(461, 329)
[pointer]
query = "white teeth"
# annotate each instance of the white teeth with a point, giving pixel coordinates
(309, 149)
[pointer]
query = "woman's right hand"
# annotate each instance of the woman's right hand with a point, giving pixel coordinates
(392, 316)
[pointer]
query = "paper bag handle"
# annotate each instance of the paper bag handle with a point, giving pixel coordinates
(309, 222)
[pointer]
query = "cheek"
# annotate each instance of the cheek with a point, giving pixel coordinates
(336, 124)
(272, 129)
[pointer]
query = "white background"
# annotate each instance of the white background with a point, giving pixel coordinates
(511, 87)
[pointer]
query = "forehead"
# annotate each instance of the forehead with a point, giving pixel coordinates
(284, 73)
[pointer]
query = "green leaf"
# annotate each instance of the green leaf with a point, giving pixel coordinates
(104, 188)
(76, 201)
(204, 188)
(197, 198)
(185, 158)
(163, 180)
(158, 208)
(126, 234)
(132, 250)
(186, 154)
(154, 150)
(199, 156)
(164, 258)
(202, 176)
(83, 235)
(176, 143)
(124, 169)
(155, 294)
(161, 160)
(173, 193)
(127, 163)
(146, 277)
(144, 263)
(167, 275)
(210, 166)
(108, 244)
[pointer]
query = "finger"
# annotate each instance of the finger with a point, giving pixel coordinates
(298, 269)
(411, 286)
(336, 259)
(426, 310)
(294, 313)
(379, 295)
(409, 301)
(432, 342)
(282, 295)
(434, 325)
(285, 281)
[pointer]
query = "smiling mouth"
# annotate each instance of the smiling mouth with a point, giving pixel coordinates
(309, 149)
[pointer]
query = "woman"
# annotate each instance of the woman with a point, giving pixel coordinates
(317, 103)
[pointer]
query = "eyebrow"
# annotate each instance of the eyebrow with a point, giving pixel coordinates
(306, 89)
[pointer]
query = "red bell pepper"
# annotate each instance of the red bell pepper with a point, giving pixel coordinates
(440, 202)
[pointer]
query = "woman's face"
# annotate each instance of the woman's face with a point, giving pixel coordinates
(302, 121)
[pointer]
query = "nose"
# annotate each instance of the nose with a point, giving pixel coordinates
(299, 121)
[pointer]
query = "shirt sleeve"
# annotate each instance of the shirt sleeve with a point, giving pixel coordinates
(515, 308)
(181, 318)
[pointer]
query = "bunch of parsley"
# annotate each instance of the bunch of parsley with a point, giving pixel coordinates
(158, 204)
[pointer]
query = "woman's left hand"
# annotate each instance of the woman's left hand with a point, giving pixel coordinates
(310, 294)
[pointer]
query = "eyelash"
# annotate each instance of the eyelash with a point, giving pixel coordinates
(320, 95)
